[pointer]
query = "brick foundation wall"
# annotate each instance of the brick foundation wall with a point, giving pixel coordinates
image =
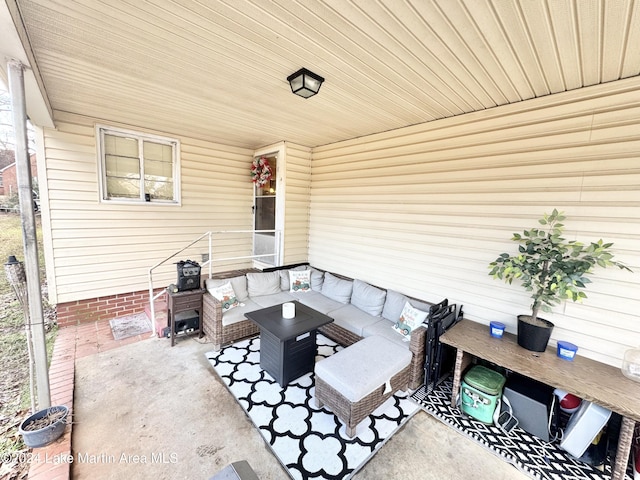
(102, 308)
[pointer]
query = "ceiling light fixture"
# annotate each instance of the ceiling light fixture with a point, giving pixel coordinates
(305, 83)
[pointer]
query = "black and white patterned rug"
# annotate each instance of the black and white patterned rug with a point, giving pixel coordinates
(309, 442)
(526, 452)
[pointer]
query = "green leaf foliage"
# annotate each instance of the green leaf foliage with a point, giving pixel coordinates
(552, 268)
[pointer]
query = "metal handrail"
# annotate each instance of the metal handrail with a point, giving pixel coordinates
(209, 262)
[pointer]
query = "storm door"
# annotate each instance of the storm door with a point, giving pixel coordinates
(265, 206)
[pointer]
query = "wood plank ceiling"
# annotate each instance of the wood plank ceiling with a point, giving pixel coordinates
(216, 70)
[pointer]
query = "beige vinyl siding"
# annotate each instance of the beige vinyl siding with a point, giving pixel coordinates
(297, 191)
(424, 209)
(107, 248)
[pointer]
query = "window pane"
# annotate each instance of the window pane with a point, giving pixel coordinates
(123, 187)
(158, 170)
(122, 166)
(266, 213)
(121, 146)
(157, 151)
(270, 187)
(159, 190)
(153, 168)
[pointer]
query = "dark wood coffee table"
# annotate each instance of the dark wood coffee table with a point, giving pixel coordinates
(288, 346)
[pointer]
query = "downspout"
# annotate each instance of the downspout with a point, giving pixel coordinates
(15, 70)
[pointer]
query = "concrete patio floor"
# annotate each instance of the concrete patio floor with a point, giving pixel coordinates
(146, 401)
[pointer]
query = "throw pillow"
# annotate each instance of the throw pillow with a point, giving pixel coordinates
(300, 281)
(410, 319)
(226, 295)
(336, 288)
(238, 283)
(284, 276)
(394, 304)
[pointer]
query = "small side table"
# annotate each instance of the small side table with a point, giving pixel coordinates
(181, 302)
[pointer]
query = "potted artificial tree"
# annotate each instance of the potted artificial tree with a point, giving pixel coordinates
(551, 267)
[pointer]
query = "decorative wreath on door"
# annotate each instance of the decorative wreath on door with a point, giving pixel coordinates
(261, 171)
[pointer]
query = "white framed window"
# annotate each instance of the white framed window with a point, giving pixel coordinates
(138, 167)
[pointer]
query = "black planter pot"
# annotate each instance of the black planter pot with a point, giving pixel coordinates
(534, 337)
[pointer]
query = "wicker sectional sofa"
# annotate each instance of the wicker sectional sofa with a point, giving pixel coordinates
(359, 310)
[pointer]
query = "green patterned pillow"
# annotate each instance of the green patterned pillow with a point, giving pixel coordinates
(226, 295)
(410, 319)
(300, 281)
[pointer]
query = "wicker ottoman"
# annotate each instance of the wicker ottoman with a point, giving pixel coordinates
(357, 380)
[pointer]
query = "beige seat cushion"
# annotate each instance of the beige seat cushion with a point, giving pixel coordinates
(359, 369)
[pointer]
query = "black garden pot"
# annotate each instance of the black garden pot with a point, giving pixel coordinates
(534, 336)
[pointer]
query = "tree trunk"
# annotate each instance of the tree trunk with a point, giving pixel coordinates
(534, 311)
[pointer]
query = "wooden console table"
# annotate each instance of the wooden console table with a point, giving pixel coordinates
(588, 379)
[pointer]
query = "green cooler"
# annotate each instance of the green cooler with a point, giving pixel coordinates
(481, 388)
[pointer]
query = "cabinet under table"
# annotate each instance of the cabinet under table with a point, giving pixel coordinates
(185, 301)
(588, 379)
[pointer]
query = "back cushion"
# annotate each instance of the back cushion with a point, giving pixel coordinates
(394, 304)
(238, 283)
(317, 279)
(263, 283)
(336, 288)
(367, 298)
